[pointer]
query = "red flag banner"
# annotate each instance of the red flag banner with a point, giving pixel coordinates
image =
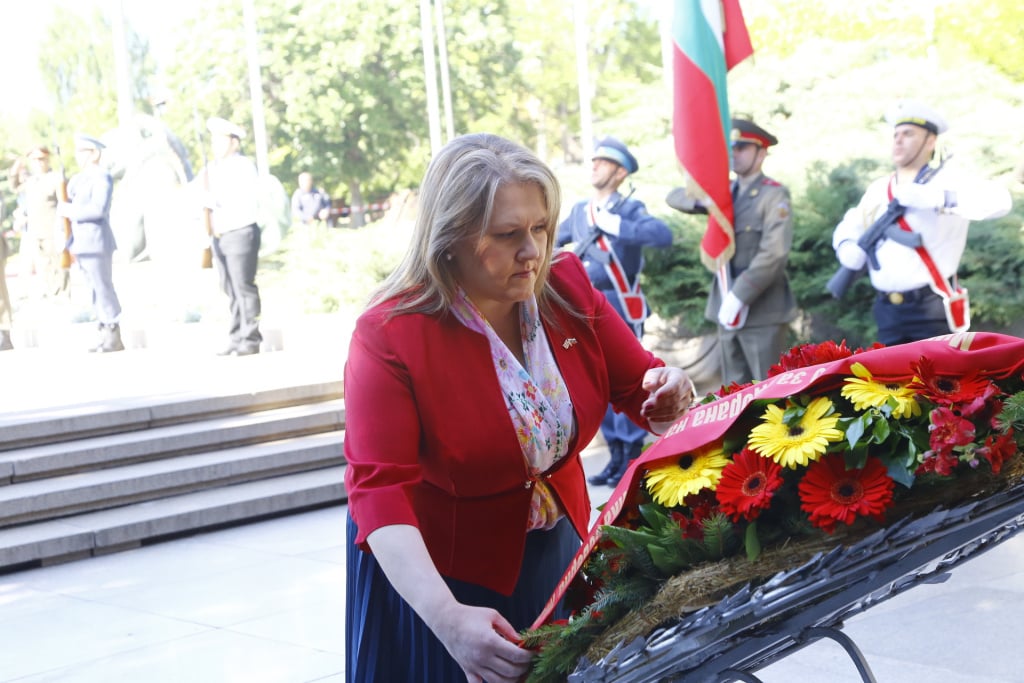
(709, 37)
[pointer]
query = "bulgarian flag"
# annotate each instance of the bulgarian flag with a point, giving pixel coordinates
(709, 38)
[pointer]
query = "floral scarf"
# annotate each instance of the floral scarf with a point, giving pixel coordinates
(536, 397)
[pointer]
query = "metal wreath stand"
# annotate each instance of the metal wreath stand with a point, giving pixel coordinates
(753, 627)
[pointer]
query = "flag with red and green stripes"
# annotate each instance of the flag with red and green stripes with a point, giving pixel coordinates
(709, 38)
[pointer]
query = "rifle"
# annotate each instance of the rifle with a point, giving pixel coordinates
(62, 194)
(886, 227)
(206, 259)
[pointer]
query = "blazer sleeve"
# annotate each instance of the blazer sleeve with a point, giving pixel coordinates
(381, 445)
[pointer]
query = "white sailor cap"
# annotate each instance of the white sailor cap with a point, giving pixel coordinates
(83, 141)
(219, 126)
(908, 111)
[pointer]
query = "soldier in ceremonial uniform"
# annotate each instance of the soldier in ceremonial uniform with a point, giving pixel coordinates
(92, 240)
(609, 232)
(5, 298)
(753, 316)
(939, 202)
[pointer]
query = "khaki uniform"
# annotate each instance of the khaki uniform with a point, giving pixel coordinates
(764, 234)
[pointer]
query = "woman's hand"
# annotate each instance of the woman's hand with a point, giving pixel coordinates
(478, 638)
(483, 644)
(672, 394)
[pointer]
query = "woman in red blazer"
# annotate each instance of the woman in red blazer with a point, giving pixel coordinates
(481, 369)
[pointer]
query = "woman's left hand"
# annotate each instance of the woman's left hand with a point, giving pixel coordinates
(672, 393)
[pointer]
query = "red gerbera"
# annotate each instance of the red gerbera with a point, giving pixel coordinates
(747, 485)
(947, 389)
(830, 493)
(810, 354)
(948, 430)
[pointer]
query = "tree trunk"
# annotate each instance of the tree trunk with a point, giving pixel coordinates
(357, 217)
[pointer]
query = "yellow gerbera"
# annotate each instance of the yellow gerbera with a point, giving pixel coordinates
(693, 472)
(864, 392)
(800, 441)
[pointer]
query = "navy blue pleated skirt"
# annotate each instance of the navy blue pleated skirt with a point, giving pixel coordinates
(387, 642)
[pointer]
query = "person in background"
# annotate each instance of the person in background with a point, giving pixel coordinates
(753, 317)
(92, 240)
(609, 232)
(229, 188)
(42, 240)
(310, 204)
(5, 298)
(939, 202)
(479, 371)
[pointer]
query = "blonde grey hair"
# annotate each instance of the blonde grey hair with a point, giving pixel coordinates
(456, 200)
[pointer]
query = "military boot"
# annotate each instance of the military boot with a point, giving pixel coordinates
(631, 452)
(110, 339)
(614, 463)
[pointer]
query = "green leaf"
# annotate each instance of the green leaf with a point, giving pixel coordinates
(856, 428)
(880, 431)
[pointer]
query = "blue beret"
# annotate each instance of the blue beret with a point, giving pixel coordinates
(614, 150)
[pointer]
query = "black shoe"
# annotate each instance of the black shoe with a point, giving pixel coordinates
(614, 463)
(632, 452)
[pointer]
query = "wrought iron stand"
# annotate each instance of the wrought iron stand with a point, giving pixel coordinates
(754, 627)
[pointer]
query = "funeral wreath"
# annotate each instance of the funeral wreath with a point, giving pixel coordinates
(831, 446)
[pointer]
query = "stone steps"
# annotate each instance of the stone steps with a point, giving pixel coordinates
(92, 478)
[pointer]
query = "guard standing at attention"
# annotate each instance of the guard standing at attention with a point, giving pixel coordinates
(753, 317)
(92, 241)
(918, 293)
(609, 232)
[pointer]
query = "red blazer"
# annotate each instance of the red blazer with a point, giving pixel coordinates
(429, 441)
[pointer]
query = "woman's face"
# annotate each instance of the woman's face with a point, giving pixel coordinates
(501, 268)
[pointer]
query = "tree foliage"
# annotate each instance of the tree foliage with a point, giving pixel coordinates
(77, 66)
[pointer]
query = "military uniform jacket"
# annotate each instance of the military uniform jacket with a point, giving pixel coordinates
(89, 193)
(763, 225)
(637, 230)
(943, 234)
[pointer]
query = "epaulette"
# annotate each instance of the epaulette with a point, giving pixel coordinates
(769, 181)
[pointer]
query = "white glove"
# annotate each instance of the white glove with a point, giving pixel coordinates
(918, 196)
(850, 255)
(607, 221)
(733, 312)
(680, 201)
